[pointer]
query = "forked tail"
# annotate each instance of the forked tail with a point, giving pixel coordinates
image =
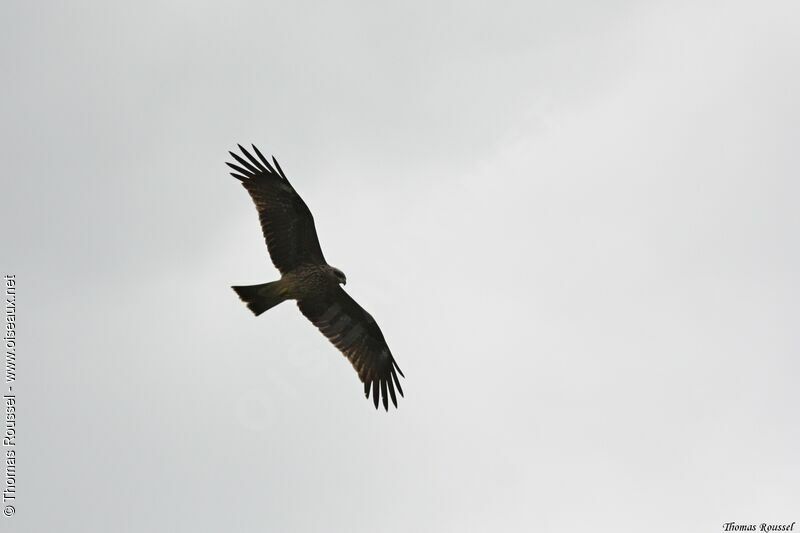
(259, 298)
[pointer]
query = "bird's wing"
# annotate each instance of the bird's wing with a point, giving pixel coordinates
(356, 334)
(286, 221)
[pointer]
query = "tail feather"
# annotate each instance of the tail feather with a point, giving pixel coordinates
(261, 297)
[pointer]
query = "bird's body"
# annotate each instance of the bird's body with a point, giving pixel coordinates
(308, 281)
(306, 277)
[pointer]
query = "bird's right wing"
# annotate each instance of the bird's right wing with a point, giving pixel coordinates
(286, 221)
(356, 334)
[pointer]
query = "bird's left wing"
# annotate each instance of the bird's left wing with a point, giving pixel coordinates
(286, 221)
(356, 334)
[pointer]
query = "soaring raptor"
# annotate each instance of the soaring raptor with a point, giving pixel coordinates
(307, 278)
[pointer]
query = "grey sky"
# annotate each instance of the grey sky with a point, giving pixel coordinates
(575, 222)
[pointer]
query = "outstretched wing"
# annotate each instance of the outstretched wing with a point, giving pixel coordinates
(356, 334)
(286, 221)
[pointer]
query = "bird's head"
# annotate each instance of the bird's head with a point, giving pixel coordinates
(339, 275)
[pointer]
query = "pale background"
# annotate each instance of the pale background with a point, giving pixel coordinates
(576, 223)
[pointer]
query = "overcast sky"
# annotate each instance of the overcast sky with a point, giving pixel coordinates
(576, 223)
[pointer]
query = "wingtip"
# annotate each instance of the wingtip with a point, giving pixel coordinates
(252, 169)
(391, 392)
(280, 170)
(261, 156)
(397, 383)
(394, 363)
(252, 159)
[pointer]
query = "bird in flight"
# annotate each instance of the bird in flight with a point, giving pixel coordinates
(306, 277)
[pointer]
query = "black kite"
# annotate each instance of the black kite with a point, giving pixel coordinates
(293, 245)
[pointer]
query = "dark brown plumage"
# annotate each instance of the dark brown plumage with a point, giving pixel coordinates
(306, 277)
